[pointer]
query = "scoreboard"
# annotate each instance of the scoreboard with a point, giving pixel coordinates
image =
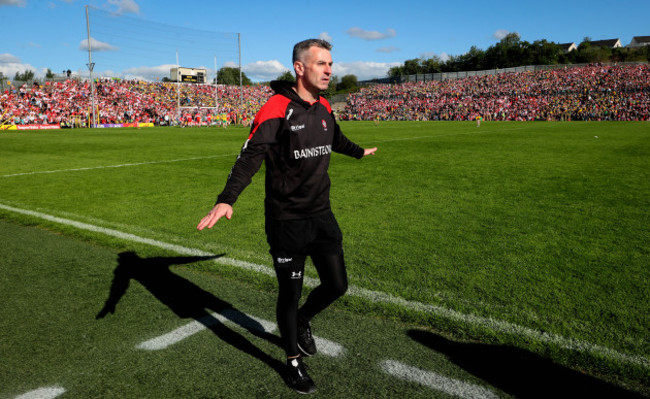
(188, 75)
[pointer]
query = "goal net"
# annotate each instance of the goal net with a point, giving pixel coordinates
(149, 57)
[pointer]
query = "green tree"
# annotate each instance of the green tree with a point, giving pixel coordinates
(545, 53)
(348, 83)
(331, 88)
(287, 76)
(585, 44)
(411, 67)
(49, 74)
(396, 71)
(587, 53)
(230, 76)
(473, 60)
(433, 65)
(508, 52)
(25, 76)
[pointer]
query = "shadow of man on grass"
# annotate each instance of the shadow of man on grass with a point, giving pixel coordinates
(518, 372)
(187, 300)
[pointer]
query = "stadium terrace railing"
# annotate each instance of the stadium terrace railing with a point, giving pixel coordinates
(428, 77)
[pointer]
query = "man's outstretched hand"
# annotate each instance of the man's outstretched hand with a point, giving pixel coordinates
(219, 211)
(369, 151)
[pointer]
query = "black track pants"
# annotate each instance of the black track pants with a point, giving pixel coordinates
(334, 283)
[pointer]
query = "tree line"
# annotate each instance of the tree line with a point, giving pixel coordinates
(511, 51)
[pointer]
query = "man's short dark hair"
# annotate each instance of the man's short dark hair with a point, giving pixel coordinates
(300, 48)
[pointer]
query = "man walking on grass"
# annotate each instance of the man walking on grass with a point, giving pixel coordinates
(294, 133)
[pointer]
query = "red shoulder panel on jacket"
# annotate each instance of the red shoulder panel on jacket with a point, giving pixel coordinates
(325, 103)
(275, 107)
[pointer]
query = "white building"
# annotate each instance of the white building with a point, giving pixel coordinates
(639, 41)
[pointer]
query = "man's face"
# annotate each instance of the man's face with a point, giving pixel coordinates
(316, 69)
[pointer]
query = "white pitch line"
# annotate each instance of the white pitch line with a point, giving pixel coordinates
(43, 393)
(373, 296)
(436, 381)
(326, 347)
(115, 166)
(179, 334)
(163, 341)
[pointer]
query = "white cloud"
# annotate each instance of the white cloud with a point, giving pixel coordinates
(363, 70)
(390, 49)
(17, 3)
(147, 73)
(325, 36)
(371, 34)
(125, 6)
(96, 45)
(444, 57)
(10, 64)
(264, 70)
(501, 33)
(7, 58)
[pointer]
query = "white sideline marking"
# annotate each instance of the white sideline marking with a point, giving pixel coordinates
(328, 347)
(133, 238)
(43, 393)
(436, 381)
(115, 166)
(325, 346)
(373, 296)
(172, 337)
(179, 334)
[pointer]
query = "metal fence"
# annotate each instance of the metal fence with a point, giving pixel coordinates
(4, 81)
(440, 77)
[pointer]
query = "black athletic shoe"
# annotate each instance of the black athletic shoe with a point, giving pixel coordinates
(306, 343)
(297, 377)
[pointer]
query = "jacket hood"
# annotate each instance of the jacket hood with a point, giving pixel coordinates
(285, 88)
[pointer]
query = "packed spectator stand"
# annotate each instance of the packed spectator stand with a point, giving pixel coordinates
(69, 104)
(595, 92)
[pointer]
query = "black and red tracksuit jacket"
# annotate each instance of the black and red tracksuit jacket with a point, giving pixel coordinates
(295, 140)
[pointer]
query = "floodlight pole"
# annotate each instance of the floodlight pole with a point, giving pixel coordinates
(216, 86)
(91, 66)
(178, 91)
(241, 89)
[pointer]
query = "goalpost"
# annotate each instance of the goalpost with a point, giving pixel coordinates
(130, 49)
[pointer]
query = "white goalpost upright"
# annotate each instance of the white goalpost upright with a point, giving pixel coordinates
(91, 66)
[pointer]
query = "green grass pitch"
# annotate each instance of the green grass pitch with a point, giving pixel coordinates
(529, 236)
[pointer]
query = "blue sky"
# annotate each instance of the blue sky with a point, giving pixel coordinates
(368, 36)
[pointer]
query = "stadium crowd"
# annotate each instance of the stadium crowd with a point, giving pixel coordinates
(593, 92)
(68, 103)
